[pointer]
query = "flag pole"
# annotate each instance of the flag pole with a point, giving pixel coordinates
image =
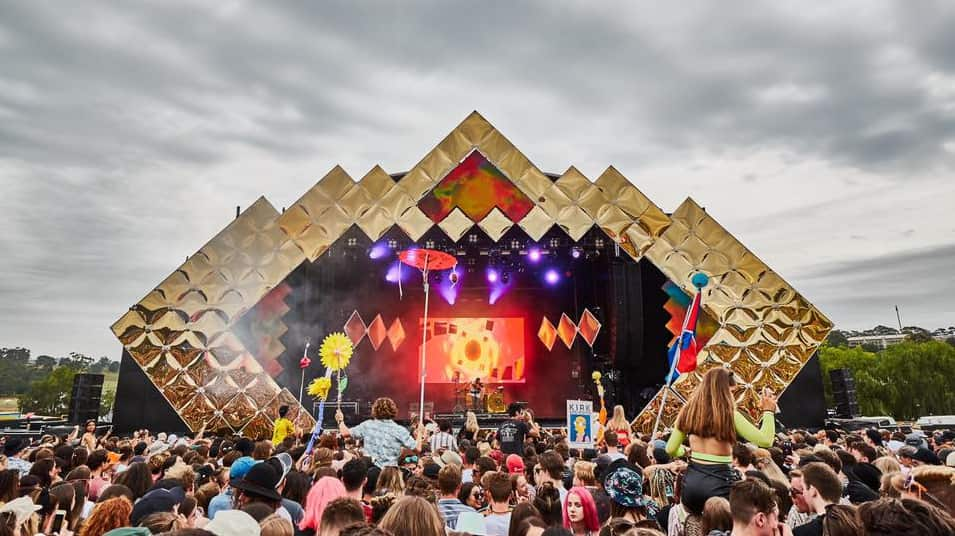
(699, 280)
(676, 359)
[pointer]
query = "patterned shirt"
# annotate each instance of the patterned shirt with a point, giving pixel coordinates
(383, 439)
(20, 465)
(449, 509)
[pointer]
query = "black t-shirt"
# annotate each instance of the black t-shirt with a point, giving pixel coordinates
(511, 434)
(813, 528)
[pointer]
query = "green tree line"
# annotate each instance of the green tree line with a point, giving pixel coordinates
(43, 385)
(905, 381)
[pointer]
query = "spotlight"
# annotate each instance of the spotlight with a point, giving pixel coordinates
(575, 253)
(506, 277)
(429, 244)
(492, 275)
(352, 241)
(515, 244)
(472, 238)
(392, 243)
(599, 242)
(551, 277)
(534, 255)
(453, 277)
(554, 243)
(378, 251)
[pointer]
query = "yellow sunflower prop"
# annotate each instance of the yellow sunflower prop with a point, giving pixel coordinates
(336, 351)
(320, 387)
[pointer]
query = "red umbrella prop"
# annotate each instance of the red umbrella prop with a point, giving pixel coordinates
(426, 260)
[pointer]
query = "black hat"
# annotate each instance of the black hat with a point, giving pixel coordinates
(245, 446)
(157, 500)
(867, 474)
(926, 456)
(261, 480)
(14, 446)
(431, 471)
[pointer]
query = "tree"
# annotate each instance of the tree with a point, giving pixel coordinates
(862, 364)
(19, 355)
(113, 366)
(49, 395)
(45, 361)
(106, 402)
(100, 366)
(76, 361)
(837, 338)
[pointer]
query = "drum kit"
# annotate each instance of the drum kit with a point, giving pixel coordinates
(478, 399)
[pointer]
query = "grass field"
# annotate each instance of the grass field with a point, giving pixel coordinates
(9, 403)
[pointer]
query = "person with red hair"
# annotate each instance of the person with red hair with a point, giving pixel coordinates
(580, 512)
(326, 490)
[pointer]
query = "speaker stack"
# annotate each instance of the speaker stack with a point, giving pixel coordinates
(844, 393)
(85, 399)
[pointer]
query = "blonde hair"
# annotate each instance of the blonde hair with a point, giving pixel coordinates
(275, 525)
(471, 422)
(710, 409)
(887, 465)
(413, 516)
(619, 420)
(584, 472)
(391, 480)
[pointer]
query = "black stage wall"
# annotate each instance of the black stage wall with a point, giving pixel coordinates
(139, 404)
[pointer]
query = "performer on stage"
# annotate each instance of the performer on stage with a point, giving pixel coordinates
(476, 391)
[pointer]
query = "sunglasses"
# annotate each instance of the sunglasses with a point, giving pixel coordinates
(411, 459)
(621, 526)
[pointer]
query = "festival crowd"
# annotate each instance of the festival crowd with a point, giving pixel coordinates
(714, 474)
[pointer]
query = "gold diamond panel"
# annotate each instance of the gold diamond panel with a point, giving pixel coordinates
(180, 333)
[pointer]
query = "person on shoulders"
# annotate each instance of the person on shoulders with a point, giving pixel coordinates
(512, 433)
(713, 424)
(383, 437)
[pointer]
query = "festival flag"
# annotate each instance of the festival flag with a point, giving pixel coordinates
(687, 339)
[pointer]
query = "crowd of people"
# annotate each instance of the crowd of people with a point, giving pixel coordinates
(713, 474)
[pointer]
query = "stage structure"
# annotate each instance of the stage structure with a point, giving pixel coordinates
(558, 275)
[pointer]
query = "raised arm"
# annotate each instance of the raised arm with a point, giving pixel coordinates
(675, 444)
(762, 436)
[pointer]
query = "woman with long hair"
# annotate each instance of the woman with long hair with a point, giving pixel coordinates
(413, 516)
(470, 429)
(107, 515)
(712, 423)
(580, 512)
(390, 480)
(138, 478)
(9, 485)
(620, 426)
(326, 490)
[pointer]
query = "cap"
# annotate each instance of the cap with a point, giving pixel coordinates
(515, 464)
(21, 508)
(926, 456)
(233, 523)
(431, 471)
(240, 467)
(449, 457)
(158, 500)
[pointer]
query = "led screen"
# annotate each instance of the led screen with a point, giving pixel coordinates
(488, 348)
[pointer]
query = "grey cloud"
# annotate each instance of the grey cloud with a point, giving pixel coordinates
(125, 128)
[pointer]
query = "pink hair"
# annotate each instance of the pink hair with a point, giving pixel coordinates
(591, 521)
(326, 490)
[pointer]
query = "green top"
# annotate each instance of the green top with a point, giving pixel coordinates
(762, 437)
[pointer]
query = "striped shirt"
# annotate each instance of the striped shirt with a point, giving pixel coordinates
(449, 509)
(443, 440)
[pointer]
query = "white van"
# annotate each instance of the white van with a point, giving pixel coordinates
(937, 422)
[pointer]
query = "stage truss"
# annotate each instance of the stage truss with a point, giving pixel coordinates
(181, 333)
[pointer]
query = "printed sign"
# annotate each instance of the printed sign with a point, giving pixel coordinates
(580, 424)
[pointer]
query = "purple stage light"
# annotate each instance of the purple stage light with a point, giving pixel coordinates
(492, 275)
(395, 272)
(551, 277)
(575, 253)
(378, 251)
(534, 255)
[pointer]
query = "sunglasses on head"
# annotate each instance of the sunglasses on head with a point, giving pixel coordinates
(411, 459)
(621, 526)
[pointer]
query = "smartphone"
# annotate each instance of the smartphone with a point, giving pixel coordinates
(58, 517)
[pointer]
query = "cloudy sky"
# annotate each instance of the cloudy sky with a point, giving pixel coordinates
(822, 135)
